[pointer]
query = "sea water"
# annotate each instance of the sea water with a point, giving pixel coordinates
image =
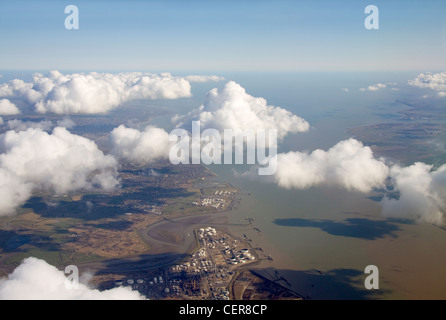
(322, 238)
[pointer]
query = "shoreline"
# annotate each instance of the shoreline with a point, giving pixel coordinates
(171, 240)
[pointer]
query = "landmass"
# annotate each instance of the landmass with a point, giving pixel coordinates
(217, 270)
(145, 234)
(411, 135)
(151, 234)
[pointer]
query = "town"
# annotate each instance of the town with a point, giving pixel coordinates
(205, 274)
(217, 270)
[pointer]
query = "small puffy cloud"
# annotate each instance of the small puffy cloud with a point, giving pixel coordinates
(7, 108)
(422, 193)
(66, 123)
(19, 88)
(1, 121)
(204, 78)
(377, 86)
(19, 125)
(94, 92)
(45, 125)
(374, 87)
(140, 146)
(233, 108)
(35, 279)
(59, 162)
(349, 164)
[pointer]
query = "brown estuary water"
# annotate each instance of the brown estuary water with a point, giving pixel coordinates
(321, 239)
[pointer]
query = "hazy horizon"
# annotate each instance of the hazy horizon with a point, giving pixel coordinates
(358, 111)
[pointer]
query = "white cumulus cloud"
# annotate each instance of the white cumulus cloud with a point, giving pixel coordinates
(19, 125)
(422, 193)
(60, 162)
(348, 164)
(14, 192)
(140, 146)
(45, 125)
(19, 88)
(233, 108)
(415, 192)
(374, 87)
(94, 92)
(7, 108)
(35, 279)
(204, 78)
(434, 81)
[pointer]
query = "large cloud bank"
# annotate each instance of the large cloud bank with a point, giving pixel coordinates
(434, 81)
(93, 92)
(348, 164)
(32, 159)
(142, 147)
(60, 162)
(232, 108)
(35, 279)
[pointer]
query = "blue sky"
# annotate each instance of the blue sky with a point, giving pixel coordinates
(223, 35)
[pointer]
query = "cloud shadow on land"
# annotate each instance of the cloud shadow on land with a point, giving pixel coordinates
(335, 284)
(98, 206)
(21, 240)
(134, 265)
(352, 227)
